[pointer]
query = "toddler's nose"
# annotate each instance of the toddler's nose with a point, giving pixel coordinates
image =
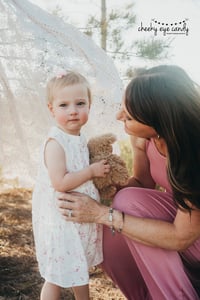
(73, 110)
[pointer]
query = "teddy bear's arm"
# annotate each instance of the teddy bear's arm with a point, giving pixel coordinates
(119, 172)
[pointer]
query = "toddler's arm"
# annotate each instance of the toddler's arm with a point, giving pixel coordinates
(61, 180)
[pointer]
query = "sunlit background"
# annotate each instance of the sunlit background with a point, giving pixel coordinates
(184, 49)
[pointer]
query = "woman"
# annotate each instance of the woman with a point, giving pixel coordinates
(155, 252)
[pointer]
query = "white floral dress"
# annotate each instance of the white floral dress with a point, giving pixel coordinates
(64, 250)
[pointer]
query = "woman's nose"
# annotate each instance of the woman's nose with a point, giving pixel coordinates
(119, 115)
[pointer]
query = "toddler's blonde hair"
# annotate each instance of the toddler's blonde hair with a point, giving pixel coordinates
(61, 81)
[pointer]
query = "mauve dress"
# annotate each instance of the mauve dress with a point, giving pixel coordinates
(143, 272)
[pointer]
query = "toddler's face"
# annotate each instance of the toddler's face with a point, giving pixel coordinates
(70, 108)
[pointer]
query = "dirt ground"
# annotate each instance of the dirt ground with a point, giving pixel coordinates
(19, 276)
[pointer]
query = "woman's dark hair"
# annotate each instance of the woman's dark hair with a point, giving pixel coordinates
(165, 98)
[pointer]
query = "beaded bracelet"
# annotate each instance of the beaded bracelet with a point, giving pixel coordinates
(110, 218)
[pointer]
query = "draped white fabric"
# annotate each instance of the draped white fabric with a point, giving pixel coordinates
(33, 45)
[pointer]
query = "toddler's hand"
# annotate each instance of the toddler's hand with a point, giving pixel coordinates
(100, 169)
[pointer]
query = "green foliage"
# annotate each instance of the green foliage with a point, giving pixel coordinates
(126, 154)
(126, 17)
(132, 72)
(153, 49)
(116, 23)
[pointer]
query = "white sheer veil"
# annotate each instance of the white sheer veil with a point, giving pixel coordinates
(33, 45)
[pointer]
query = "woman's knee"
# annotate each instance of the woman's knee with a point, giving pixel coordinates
(125, 199)
(142, 202)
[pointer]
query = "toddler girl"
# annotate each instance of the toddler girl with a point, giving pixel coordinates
(65, 250)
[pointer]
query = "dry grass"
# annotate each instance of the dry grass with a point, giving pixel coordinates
(19, 276)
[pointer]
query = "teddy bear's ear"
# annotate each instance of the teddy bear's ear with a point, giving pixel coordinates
(109, 138)
(104, 139)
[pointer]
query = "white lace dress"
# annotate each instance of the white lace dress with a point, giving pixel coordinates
(65, 250)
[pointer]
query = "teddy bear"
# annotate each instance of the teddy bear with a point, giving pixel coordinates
(100, 147)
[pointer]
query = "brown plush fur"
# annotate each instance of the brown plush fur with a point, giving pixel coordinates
(100, 147)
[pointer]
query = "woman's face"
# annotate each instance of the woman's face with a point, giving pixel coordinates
(132, 126)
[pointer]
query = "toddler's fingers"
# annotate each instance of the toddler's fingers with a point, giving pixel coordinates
(103, 161)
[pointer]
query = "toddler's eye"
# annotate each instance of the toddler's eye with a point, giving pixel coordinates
(63, 105)
(81, 103)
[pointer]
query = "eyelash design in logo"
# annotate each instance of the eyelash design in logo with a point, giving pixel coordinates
(169, 24)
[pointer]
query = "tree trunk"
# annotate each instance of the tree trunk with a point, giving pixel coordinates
(103, 25)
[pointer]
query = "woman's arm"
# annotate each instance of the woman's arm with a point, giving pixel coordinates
(141, 170)
(61, 180)
(178, 235)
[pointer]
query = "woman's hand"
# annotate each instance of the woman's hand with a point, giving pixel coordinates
(77, 207)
